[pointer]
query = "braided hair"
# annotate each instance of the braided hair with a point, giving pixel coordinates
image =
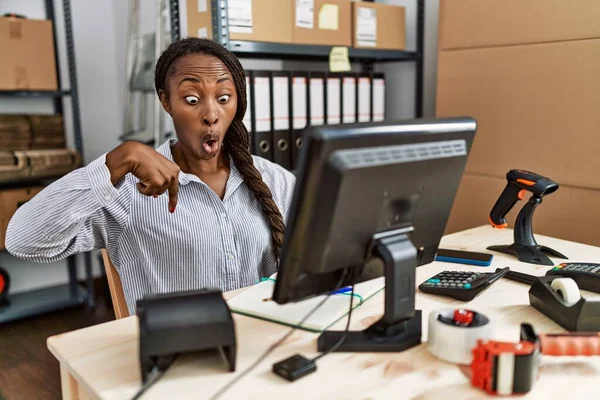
(237, 139)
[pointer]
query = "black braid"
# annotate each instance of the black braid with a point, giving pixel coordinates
(237, 139)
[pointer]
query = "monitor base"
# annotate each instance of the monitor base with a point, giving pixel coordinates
(398, 337)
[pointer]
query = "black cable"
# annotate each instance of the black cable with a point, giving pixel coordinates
(343, 338)
(278, 343)
(155, 375)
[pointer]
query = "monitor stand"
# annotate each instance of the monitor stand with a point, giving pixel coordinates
(400, 327)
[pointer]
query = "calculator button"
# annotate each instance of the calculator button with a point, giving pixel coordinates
(433, 280)
(467, 286)
(460, 285)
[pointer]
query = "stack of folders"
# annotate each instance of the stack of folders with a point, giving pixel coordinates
(282, 103)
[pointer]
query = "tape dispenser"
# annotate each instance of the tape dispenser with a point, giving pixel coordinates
(560, 300)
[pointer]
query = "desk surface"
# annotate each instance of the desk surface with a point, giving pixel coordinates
(104, 358)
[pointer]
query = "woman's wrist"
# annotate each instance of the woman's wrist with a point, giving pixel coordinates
(120, 161)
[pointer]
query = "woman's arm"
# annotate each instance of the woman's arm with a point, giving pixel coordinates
(85, 209)
(77, 213)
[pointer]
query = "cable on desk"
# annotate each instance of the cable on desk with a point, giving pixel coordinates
(155, 375)
(274, 346)
(343, 338)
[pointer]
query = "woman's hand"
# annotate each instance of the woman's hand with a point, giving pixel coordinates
(156, 173)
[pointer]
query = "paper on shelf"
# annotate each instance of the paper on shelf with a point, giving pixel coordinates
(329, 16)
(240, 16)
(202, 5)
(366, 26)
(338, 59)
(305, 13)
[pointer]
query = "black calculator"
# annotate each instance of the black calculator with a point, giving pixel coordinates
(461, 285)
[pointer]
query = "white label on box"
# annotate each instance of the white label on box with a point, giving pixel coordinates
(202, 5)
(203, 33)
(240, 16)
(366, 26)
(305, 13)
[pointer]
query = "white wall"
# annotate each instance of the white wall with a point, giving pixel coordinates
(100, 31)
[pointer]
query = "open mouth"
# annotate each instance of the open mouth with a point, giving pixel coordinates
(210, 143)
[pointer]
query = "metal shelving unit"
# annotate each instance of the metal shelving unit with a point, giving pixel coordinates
(71, 294)
(301, 52)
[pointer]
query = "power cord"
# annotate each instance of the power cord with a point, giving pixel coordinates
(274, 346)
(343, 338)
(155, 375)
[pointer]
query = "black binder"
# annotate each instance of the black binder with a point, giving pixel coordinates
(299, 111)
(262, 114)
(281, 94)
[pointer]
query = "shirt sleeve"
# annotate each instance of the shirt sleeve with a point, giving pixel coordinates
(79, 212)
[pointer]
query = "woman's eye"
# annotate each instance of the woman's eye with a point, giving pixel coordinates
(192, 99)
(223, 99)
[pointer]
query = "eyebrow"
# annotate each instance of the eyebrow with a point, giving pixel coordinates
(189, 79)
(195, 80)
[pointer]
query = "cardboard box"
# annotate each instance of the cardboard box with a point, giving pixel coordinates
(327, 23)
(527, 72)
(476, 23)
(264, 21)
(379, 26)
(570, 213)
(536, 107)
(27, 48)
(10, 200)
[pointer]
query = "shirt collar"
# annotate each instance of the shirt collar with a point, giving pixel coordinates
(235, 177)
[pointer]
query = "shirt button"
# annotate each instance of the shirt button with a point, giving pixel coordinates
(229, 256)
(223, 215)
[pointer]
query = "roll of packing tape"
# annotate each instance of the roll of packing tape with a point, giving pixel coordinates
(453, 334)
(567, 289)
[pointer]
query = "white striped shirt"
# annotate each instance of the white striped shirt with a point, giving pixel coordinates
(206, 242)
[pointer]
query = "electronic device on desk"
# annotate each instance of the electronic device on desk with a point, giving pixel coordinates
(585, 275)
(557, 295)
(371, 200)
(464, 257)
(461, 285)
(183, 322)
(525, 248)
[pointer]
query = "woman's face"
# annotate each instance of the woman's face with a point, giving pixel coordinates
(202, 101)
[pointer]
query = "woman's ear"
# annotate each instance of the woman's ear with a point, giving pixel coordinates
(164, 100)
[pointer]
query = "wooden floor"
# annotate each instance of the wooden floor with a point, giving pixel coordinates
(28, 371)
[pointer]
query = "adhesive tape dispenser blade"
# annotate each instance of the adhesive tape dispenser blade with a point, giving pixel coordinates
(567, 289)
(453, 334)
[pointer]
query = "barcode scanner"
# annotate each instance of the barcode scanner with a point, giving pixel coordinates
(525, 248)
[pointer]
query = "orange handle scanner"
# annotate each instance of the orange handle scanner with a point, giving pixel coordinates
(519, 181)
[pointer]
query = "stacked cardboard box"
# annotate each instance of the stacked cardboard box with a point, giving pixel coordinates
(528, 73)
(47, 131)
(315, 22)
(27, 48)
(15, 132)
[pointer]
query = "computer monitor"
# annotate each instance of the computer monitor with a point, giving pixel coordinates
(372, 200)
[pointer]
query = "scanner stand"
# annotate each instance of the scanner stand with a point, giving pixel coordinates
(177, 323)
(525, 248)
(400, 327)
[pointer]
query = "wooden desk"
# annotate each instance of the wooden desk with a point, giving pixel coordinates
(102, 361)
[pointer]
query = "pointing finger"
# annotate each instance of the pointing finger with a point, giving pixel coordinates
(173, 190)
